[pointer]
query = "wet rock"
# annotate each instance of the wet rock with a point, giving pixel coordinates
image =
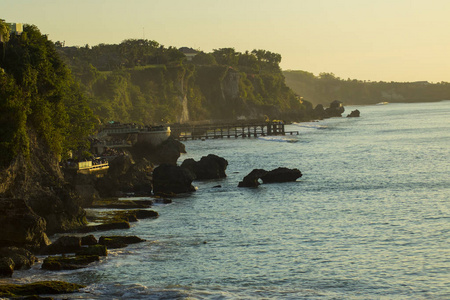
(22, 258)
(99, 250)
(104, 227)
(6, 267)
(58, 263)
(121, 204)
(208, 167)
(112, 242)
(38, 288)
(89, 240)
(21, 226)
(172, 179)
(65, 244)
(145, 214)
(281, 175)
(354, 114)
(251, 180)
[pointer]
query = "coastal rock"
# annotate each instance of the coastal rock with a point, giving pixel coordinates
(6, 267)
(208, 167)
(172, 179)
(104, 227)
(22, 258)
(58, 263)
(251, 180)
(336, 109)
(89, 240)
(65, 244)
(30, 290)
(126, 177)
(99, 250)
(21, 226)
(166, 153)
(113, 242)
(354, 114)
(281, 175)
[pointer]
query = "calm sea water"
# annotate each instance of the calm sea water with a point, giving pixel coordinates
(369, 219)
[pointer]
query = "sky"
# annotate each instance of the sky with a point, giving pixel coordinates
(376, 40)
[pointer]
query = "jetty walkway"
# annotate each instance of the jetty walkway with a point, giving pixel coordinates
(215, 131)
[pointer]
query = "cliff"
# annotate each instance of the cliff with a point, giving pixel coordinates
(224, 85)
(42, 116)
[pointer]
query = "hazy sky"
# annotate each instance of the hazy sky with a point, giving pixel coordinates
(389, 40)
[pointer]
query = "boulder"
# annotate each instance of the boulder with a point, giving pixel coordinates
(22, 258)
(208, 167)
(126, 177)
(281, 175)
(251, 180)
(89, 240)
(57, 263)
(65, 244)
(6, 267)
(30, 290)
(113, 242)
(172, 179)
(354, 114)
(336, 109)
(20, 226)
(99, 250)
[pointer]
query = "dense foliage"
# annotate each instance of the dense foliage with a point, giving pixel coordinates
(143, 82)
(327, 86)
(39, 101)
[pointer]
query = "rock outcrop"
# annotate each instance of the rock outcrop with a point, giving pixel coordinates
(126, 177)
(354, 114)
(274, 176)
(172, 179)
(208, 167)
(21, 226)
(252, 179)
(336, 109)
(281, 175)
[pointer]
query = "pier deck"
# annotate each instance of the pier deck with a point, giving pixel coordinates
(220, 131)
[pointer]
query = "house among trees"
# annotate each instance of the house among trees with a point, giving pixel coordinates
(188, 52)
(14, 28)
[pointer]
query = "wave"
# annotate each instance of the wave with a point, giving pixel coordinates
(279, 139)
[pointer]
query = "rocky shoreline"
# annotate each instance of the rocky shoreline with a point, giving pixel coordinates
(59, 206)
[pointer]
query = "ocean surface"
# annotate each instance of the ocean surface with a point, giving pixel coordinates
(369, 219)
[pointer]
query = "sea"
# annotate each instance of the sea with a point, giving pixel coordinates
(369, 218)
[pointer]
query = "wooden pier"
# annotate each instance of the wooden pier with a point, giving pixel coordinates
(220, 131)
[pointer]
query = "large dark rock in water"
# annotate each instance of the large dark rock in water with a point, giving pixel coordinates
(281, 175)
(21, 226)
(209, 167)
(336, 109)
(354, 114)
(251, 180)
(168, 179)
(276, 175)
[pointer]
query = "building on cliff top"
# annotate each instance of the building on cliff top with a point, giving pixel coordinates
(188, 52)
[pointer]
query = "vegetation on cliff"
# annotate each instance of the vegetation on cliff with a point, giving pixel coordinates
(141, 81)
(326, 86)
(43, 115)
(38, 99)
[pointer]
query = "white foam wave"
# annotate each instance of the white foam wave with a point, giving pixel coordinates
(280, 139)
